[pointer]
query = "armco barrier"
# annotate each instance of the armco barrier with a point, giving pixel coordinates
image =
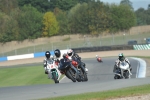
(41, 54)
(103, 48)
(26, 56)
(77, 50)
(3, 59)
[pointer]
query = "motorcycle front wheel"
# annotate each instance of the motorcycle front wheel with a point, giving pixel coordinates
(55, 77)
(69, 75)
(117, 77)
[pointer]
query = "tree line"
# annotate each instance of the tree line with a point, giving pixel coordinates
(31, 19)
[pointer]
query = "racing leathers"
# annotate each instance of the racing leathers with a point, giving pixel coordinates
(117, 63)
(66, 58)
(78, 59)
(45, 63)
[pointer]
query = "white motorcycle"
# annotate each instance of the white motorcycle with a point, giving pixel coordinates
(123, 71)
(53, 72)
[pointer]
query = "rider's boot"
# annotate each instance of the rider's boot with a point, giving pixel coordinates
(86, 70)
(46, 71)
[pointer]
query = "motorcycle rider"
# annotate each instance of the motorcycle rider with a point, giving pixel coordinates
(98, 58)
(48, 58)
(59, 56)
(120, 59)
(73, 55)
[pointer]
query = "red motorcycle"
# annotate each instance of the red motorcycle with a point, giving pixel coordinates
(99, 59)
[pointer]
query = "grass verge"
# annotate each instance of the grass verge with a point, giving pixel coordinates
(130, 91)
(21, 76)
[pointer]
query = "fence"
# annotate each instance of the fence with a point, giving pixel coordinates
(73, 41)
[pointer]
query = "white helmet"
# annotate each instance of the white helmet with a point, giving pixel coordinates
(70, 52)
(96, 56)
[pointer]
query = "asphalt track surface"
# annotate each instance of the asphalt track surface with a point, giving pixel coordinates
(100, 77)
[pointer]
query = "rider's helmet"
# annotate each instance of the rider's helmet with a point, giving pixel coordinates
(70, 52)
(57, 53)
(121, 57)
(96, 56)
(47, 54)
(64, 55)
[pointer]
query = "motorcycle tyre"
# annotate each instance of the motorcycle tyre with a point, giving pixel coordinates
(55, 78)
(78, 77)
(68, 74)
(117, 77)
(127, 75)
(84, 75)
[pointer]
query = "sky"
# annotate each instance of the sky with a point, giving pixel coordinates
(135, 3)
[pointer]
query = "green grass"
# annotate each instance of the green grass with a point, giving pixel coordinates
(130, 91)
(87, 42)
(21, 76)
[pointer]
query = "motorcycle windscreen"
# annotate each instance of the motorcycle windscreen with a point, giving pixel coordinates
(124, 65)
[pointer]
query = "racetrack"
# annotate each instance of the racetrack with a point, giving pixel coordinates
(100, 78)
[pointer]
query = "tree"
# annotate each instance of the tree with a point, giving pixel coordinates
(50, 24)
(149, 6)
(98, 18)
(126, 2)
(45, 6)
(7, 6)
(123, 18)
(8, 28)
(30, 23)
(78, 18)
(62, 19)
(141, 16)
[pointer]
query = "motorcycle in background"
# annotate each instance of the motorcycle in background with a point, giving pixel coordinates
(53, 72)
(123, 71)
(99, 59)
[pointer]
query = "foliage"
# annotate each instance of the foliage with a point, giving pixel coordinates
(143, 16)
(78, 18)
(66, 17)
(30, 23)
(62, 19)
(123, 18)
(45, 6)
(98, 19)
(50, 24)
(7, 6)
(127, 3)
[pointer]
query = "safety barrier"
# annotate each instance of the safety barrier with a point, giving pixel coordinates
(77, 50)
(141, 47)
(26, 56)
